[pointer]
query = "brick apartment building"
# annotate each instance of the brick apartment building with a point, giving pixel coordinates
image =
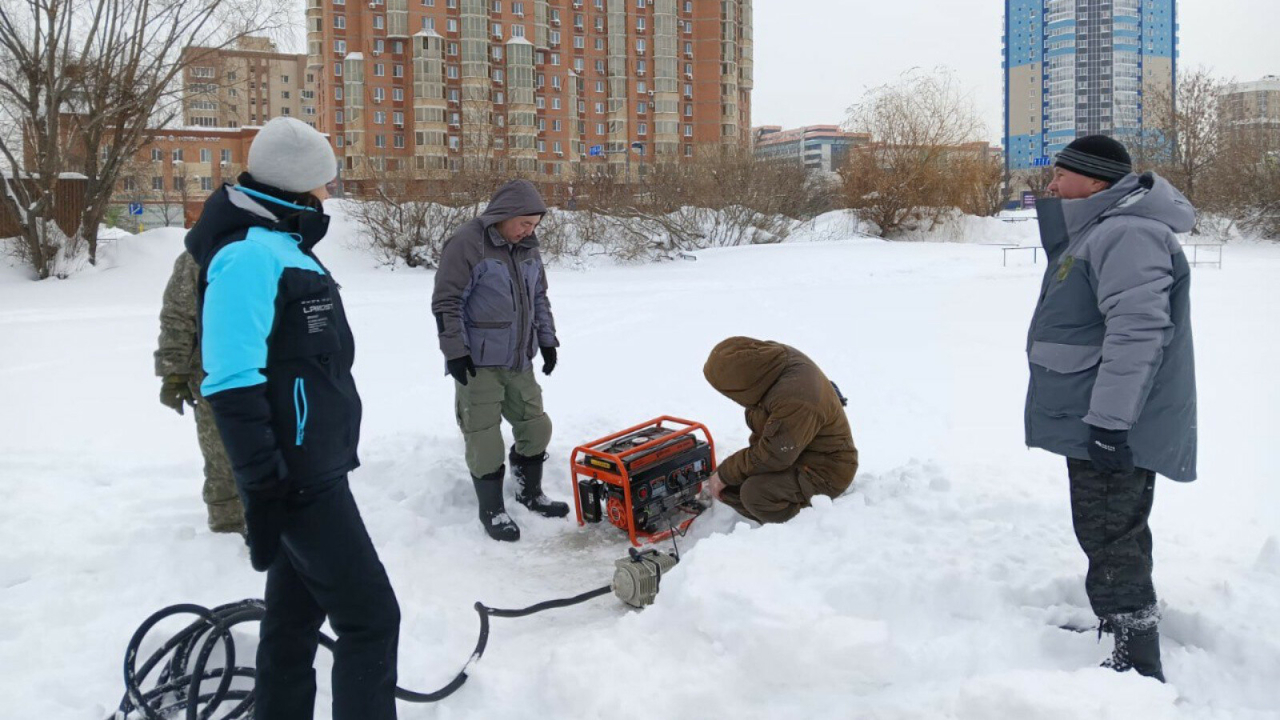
(246, 85)
(549, 87)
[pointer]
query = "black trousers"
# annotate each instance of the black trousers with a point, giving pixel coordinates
(1110, 512)
(327, 566)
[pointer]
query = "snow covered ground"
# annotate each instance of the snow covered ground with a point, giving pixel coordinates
(933, 590)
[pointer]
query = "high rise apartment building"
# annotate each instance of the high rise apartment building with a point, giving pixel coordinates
(1082, 67)
(246, 85)
(552, 87)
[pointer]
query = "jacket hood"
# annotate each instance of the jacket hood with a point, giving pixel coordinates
(743, 369)
(236, 208)
(516, 198)
(1148, 195)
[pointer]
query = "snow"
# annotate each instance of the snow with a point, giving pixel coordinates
(933, 590)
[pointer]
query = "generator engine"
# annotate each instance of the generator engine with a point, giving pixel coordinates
(646, 479)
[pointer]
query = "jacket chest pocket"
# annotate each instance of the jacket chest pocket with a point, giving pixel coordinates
(309, 323)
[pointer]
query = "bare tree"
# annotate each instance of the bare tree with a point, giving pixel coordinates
(918, 125)
(1184, 134)
(91, 78)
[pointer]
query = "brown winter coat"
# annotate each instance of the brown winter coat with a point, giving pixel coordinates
(793, 411)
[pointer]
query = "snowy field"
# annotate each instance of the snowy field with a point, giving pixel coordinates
(933, 590)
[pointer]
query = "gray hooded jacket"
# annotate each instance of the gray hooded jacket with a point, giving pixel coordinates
(490, 298)
(1110, 341)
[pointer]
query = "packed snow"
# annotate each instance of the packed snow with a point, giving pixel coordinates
(934, 589)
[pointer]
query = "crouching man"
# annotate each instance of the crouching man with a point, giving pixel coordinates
(800, 444)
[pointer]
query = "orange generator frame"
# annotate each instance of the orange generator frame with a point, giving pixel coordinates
(647, 472)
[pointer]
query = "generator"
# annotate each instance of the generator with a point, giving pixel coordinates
(646, 479)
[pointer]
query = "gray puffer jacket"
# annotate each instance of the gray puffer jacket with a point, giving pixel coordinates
(1110, 341)
(490, 298)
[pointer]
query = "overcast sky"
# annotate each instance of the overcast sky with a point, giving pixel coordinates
(814, 58)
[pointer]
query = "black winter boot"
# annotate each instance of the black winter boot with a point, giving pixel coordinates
(1137, 647)
(493, 513)
(528, 475)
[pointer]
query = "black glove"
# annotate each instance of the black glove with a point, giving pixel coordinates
(548, 360)
(263, 519)
(460, 368)
(175, 391)
(1109, 450)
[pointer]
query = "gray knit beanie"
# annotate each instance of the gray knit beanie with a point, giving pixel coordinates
(291, 155)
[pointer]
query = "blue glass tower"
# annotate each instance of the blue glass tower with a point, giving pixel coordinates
(1081, 67)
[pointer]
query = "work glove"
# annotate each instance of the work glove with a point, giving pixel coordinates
(1109, 450)
(548, 360)
(175, 391)
(460, 368)
(264, 519)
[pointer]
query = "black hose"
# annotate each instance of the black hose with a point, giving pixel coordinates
(178, 687)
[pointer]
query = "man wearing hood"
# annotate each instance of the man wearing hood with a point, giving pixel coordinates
(492, 316)
(800, 443)
(278, 353)
(1112, 372)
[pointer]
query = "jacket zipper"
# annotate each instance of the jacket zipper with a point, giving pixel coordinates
(300, 409)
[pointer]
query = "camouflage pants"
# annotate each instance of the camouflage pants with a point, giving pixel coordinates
(225, 511)
(487, 398)
(1110, 514)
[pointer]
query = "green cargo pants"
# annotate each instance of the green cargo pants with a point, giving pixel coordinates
(480, 405)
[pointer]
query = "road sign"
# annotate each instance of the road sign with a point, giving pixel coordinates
(595, 150)
(1028, 200)
(135, 208)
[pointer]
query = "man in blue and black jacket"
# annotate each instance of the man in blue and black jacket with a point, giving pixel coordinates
(278, 354)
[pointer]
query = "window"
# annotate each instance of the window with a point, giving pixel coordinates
(179, 183)
(337, 69)
(378, 47)
(517, 31)
(579, 42)
(453, 25)
(518, 8)
(642, 128)
(497, 30)
(599, 43)
(379, 70)
(206, 155)
(340, 140)
(397, 47)
(497, 6)
(555, 126)
(555, 38)
(284, 79)
(600, 66)
(577, 65)
(599, 86)
(688, 131)
(338, 117)
(284, 94)
(129, 184)
(157, 155)
(202, 72)
(640, 24)
(499, 98)
(555, 59)
(397, 94)
(397, 118)
(337, 93)
(379, 118)
(226, 156)
(642, 87)
(453, 48)
(555, 81)
(452, 72)
(379, 22)
(177, 154)
(379, 94)
(542, 145)
(497, 52)
(206, 183)
(429, 24)
(380, 141)
(599, 108)
(397, 71)
(555, 103)
(498, 75)
(642, 108)
(640, 46)
(157, 183)
(339, 47)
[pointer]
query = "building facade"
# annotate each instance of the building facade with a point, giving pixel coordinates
(246, 85)
(549, 87)
(820, 148)
(1082, 67)
(1253, 108)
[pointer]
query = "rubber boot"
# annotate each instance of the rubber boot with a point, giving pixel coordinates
(1136, 648)
(493, 513)
(528, 474)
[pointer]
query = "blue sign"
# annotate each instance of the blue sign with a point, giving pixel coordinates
(135, 208)
(1041, 162)
(595, 150)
